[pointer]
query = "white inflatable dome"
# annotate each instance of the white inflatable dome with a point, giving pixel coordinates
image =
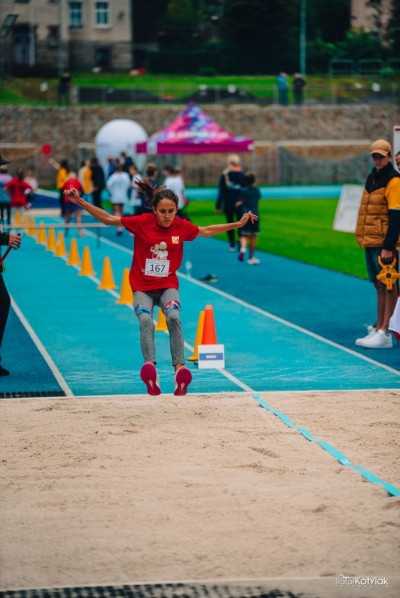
(119, 135)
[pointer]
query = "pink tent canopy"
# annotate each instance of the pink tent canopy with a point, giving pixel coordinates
(193, 132)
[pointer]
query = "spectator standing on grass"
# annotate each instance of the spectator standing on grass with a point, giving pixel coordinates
(377, 231)
(250, 197)
(283, 88)
(64, 88)
(298, 89)
(228, 194)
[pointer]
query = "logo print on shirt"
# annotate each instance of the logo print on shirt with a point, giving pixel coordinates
(175, 240)
(159, 251)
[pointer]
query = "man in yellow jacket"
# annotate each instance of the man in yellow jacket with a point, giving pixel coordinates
(377, 231)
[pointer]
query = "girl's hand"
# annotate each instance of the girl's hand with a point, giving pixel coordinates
(246, 217)
(72, 194)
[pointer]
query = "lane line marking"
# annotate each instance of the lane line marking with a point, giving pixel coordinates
(331, 450)
(271, 316)
(39, 345)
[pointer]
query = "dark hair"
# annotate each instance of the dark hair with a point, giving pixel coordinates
(154, 194)
(151, 169)
(249, 179)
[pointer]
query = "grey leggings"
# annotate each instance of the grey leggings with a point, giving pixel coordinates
(168, 300)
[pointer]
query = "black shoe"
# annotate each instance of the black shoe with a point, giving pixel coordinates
(210, 278)
(4, 372)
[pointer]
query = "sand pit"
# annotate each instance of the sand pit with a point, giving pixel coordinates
(118, 490)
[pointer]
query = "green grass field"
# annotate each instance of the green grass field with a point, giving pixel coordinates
(297, 229)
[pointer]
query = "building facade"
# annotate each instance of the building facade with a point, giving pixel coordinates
(49, 36)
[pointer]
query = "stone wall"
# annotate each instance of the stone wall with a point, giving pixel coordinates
(310, 135)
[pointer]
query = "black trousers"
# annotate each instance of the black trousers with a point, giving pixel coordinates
(232, 214)
(4, 307)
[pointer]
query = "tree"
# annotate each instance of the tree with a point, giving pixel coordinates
(392, 35)
(178, 26)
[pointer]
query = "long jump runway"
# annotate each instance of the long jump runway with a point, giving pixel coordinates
(285, 326)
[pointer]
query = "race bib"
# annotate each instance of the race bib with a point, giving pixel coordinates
(158, 268)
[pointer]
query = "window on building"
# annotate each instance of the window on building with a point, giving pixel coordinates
(52, 36)
(101, 13)
(103, 57)
(75, 14)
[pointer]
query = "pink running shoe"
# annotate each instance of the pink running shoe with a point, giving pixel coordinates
(183, 378)
(148, 374)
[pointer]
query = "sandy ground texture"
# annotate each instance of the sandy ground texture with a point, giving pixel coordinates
(121, 490)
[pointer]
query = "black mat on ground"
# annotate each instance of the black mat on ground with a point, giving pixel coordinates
(168, 590)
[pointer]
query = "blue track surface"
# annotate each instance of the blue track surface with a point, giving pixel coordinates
(285, 325)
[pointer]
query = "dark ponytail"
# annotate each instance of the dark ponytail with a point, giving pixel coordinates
(154, 194)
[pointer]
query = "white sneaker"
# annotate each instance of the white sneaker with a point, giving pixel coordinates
(380, 340)
(371, 331)
(253, 261)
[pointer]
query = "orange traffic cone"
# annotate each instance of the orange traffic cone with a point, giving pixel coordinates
(73, 258)
(32, 228)
(209, 332)
(51, 240)
(199, 338)
(126, 295)
(24, 221)
(42, 237)
(107, 278)
(60, 245)
(17, 218)
(86, 266)
(161, 322)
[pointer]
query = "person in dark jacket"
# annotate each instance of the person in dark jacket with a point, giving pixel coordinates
(229, 195)
(98, 181)
(12, 241)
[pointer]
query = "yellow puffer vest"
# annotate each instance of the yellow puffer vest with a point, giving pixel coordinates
(373, 219)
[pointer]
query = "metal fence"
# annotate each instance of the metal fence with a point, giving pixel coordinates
(332, 92)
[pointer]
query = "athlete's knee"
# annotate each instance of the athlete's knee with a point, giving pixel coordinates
(172, 310)
(143, 311)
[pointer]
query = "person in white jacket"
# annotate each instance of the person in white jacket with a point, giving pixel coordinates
(119, 184)
(174, 181)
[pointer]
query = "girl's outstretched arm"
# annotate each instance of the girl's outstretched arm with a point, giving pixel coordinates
(216, 229)
(98, 213)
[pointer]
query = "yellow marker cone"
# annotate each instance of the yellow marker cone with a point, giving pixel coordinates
(51, 240)
(42, 237)
(24, 220)
(60, 245)
(107, 279)
(126, 295)
(161, 321)
(73, 258)
(32, 228)
(87, 266)
(17, 218)
(199, 338)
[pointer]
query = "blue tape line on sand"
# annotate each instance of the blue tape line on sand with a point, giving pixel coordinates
(368, 475)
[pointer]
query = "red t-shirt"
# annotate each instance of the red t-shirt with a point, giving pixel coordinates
(18, 190)
(70, 184)
(158, 251)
